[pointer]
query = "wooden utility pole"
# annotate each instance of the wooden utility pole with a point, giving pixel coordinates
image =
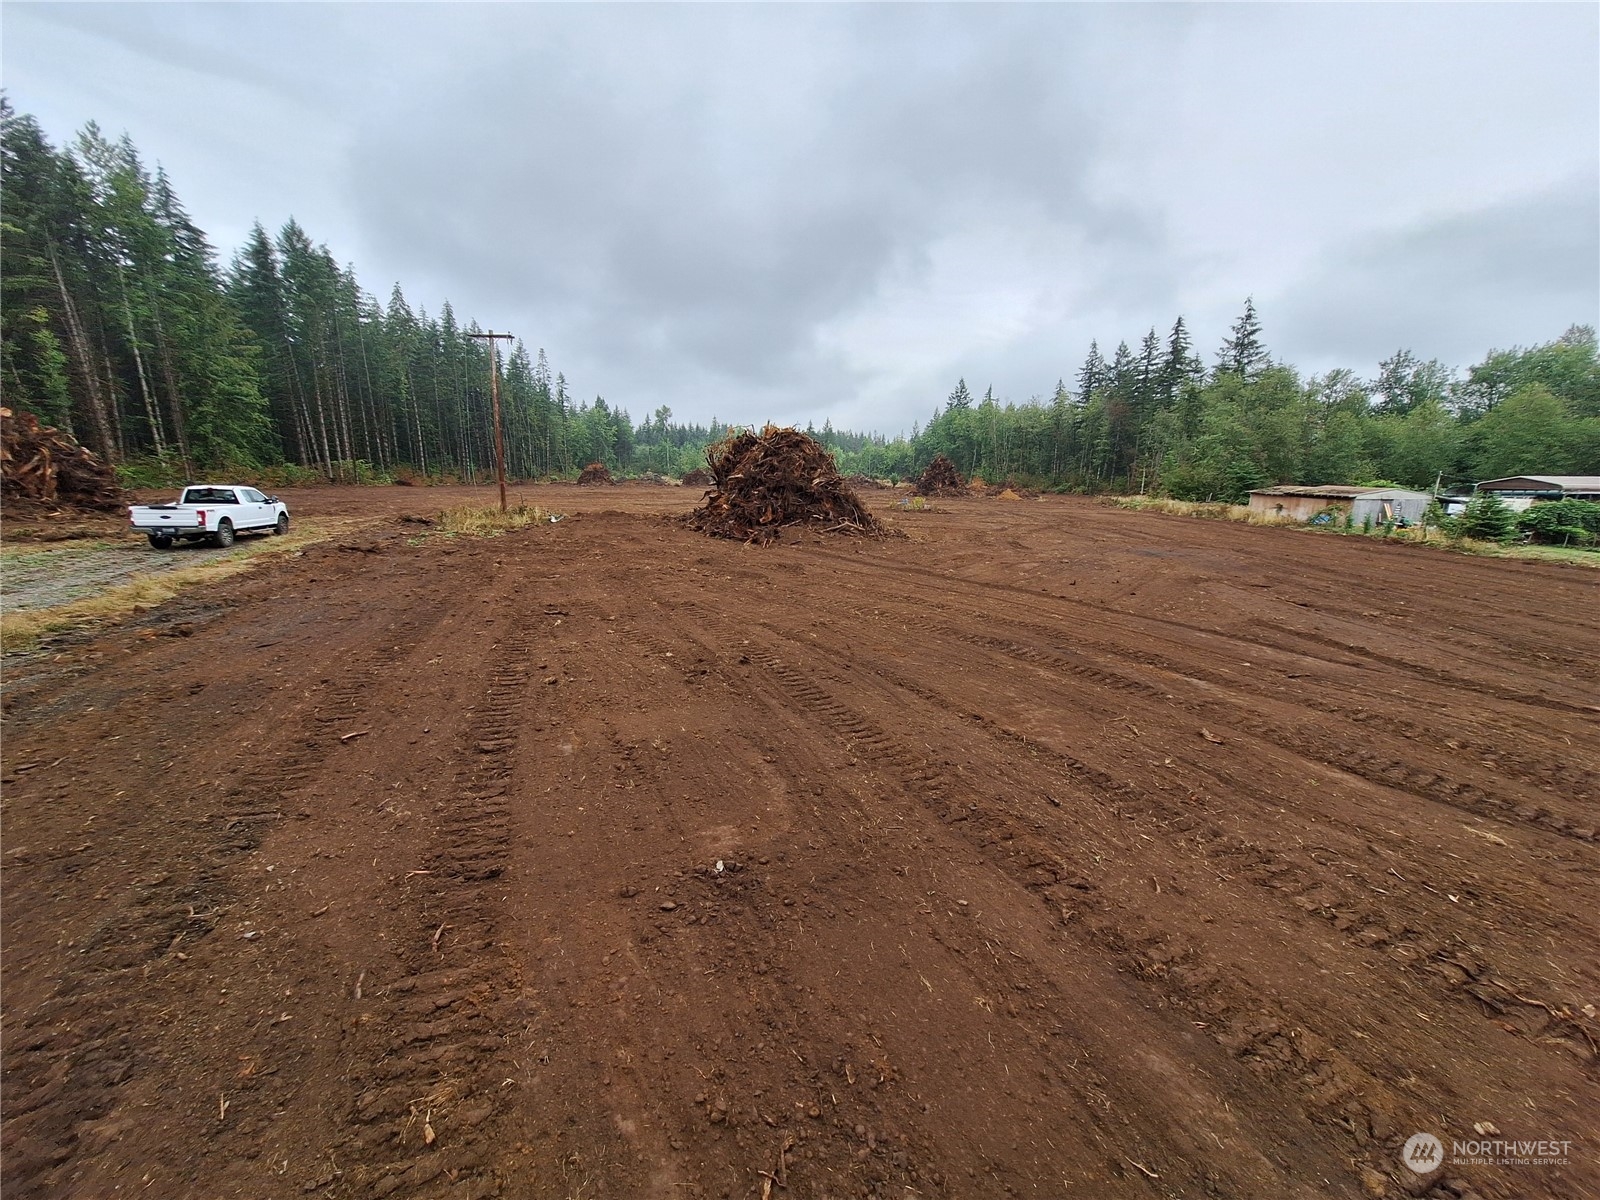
(494, 392)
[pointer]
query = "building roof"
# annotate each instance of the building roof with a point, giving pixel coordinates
(1564, 483)
(1393, 494)
(1328, 491)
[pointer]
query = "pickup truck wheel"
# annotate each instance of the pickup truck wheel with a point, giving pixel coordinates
(160, 541)
(282, 527)
(224, 534)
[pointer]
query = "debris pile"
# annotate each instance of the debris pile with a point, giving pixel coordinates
(777, 478)
(595, 472)
(45, 468)
(940, 478)
(650, 479)
(859, 481)
(1009, 490)
(699, 477)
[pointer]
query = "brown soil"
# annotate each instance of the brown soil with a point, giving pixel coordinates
(1065, 851)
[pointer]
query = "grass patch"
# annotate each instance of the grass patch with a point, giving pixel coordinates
(1191, 508)
(1576, 556)
(22, 629)
(1572, 555)
(37, 554)
(486, 520)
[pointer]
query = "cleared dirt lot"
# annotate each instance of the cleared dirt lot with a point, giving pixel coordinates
(1065, 852)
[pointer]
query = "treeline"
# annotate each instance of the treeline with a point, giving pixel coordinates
(118, 324)
(1158, 420)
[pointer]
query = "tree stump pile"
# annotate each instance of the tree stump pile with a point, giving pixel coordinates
(699, 477)
(43, 468)
(780, 478)
(939, 478)
(595, 473)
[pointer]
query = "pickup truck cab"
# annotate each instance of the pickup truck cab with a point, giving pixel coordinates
(213, 511)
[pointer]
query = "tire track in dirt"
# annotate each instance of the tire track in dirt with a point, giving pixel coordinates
(1037, 1000)
(728, 924)
(723, 924)
(989, 596)
(436, 1041)
(1325, 1077)
(1453, 971)
(1455, 966)
(61, 1086)
(1310, 742)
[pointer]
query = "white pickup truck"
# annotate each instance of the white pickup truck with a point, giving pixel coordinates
(214, 511)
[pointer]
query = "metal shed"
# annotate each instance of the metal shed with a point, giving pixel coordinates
(1300, 502)
(1389, 504)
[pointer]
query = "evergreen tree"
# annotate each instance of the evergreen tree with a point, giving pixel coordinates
(1242, 353)
(1092, 375)
(1486, 517)
(1180, 366)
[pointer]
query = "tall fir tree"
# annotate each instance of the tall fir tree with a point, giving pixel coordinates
(1242, 353)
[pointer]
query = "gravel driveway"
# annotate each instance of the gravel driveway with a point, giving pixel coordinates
(36, 579)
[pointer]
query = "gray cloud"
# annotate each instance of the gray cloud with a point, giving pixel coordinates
(711, 217)
(792, 211)
(1514, 272)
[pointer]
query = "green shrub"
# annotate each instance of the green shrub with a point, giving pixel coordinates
(1562, 522)
(1486, 518)
(283, 475)
(149, 471)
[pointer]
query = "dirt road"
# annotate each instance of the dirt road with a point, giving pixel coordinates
(1052, 850)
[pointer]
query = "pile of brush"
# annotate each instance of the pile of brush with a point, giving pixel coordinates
(777, 479)
(43, 468)
(595, 472)
(940, 478)
(865, 481)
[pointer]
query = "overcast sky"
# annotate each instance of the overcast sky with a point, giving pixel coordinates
(810, 212)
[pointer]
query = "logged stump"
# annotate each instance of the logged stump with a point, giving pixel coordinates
(43, 468)
(594, 473)
(939, 478)
(777, 479)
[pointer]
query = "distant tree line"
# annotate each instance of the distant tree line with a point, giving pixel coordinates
(118, 324)
(1157, 419)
